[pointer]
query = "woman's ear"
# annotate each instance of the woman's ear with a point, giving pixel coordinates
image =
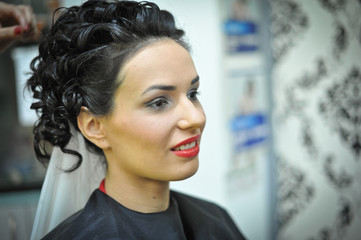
(92, 129)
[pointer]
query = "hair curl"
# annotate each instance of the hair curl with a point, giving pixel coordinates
(79, 59)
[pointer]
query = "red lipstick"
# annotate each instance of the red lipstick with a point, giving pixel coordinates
(187, 148)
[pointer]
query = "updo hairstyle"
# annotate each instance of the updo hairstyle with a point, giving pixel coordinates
(79, 60)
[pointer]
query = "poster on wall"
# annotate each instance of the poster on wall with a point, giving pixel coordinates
(247, 106)
(239, 26)
(249, 131)
(245, 81)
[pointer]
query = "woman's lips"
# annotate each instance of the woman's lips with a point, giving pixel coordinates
(187, 148)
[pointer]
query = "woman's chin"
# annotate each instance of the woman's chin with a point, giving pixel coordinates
(186, 172)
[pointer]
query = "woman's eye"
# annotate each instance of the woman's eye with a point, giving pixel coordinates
(158, 103)
(193, 95)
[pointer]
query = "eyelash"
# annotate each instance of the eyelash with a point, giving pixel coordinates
(195, 94)
(158, 103)
(161, 103)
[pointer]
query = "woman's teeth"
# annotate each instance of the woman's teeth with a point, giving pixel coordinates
(186, 146)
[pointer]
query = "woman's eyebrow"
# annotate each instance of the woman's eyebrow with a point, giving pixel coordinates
(167, 87)
(160, 87)
(195, 80)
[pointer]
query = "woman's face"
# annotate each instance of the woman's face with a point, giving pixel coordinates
(155, 127)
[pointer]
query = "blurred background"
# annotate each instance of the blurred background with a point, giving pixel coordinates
(281, 87)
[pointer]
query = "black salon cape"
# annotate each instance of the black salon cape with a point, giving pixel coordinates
(190, 218)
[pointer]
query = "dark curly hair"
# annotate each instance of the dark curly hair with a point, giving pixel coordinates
(79, 59)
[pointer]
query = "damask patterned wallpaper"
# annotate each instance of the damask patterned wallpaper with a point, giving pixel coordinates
(317, 117)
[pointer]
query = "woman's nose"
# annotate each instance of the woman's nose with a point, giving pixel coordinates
(192, 115)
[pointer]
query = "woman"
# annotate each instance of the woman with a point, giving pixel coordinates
(120, 74)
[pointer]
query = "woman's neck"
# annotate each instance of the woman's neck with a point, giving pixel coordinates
(138, 194)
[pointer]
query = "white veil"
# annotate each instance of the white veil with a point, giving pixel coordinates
(64, 193)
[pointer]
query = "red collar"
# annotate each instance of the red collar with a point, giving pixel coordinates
(102, 186)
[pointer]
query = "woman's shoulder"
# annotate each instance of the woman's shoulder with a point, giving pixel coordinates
(202, 216)
(63, 228)
(85, 222)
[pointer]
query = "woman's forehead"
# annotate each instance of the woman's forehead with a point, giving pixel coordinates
(158, 62)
